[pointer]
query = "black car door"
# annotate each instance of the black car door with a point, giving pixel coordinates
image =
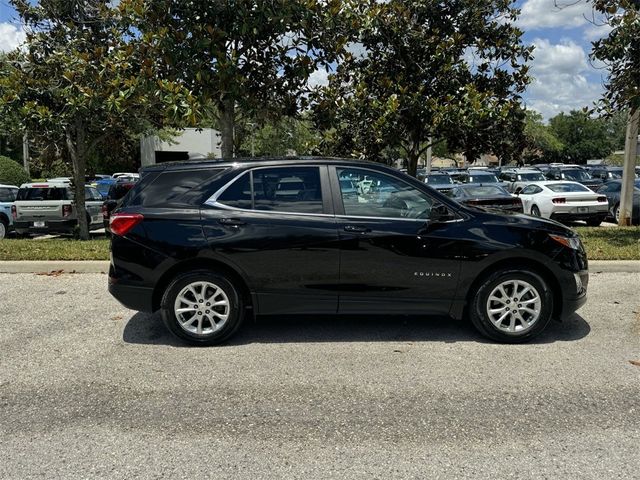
(399, 252)
(276, 225)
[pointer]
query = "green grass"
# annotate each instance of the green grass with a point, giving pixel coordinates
(601, 243)
(54, 249)
(611, 243)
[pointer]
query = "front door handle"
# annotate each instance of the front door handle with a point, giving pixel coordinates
(232, 222)
(356, 229)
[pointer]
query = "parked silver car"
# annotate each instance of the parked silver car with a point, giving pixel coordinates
(49, 208)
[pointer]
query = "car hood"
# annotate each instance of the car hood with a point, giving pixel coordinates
(521, 220)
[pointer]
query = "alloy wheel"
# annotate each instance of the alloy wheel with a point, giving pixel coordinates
(514, 306)
(202, 308)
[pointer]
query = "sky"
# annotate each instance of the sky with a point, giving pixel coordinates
(561, 30)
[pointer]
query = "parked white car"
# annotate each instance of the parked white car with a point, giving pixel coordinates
(564, 201)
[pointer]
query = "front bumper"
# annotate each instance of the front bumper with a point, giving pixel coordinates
(574, 293)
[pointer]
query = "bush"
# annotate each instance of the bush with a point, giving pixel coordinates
(11, 173)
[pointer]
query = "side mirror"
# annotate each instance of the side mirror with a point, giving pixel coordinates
(441, 213)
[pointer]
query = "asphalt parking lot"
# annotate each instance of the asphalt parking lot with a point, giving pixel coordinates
(89, 389)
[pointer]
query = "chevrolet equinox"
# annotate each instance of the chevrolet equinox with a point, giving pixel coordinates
(207, 242)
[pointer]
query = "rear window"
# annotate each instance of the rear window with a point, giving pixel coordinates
(482, 178)
(43, 194)
(439, 179)
(531, 177)
(170, 185)
(7, 194)
(484, 191)
(567, 187)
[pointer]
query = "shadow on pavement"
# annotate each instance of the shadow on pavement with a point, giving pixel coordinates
(148, 329)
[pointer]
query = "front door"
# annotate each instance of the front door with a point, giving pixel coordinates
(398, 248)
(277, 224)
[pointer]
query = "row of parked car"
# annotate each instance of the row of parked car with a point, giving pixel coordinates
(49, 207)
(560, 192)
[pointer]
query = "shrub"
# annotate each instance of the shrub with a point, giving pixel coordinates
(11, 173)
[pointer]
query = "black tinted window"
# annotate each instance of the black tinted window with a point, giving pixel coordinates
(285, 189)
(7, 194)
(170, 185)
(44, 193)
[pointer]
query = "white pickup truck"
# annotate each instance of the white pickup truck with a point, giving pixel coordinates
(49, 207)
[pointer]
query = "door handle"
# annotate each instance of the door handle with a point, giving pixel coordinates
(356, 229)
(232, 222)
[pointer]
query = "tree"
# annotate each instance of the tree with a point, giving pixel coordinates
(80, 80)
(430, 70)
(583, 137)
(239, 56)
(279, 138)
(541, 141)
(620, 51)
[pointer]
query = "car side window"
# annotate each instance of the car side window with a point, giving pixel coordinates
(7, 194)
(530, 190)
(280, 189)
(366, 193)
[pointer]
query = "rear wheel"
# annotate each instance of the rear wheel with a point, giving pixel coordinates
(4, 228)
(512, 306)
(535, 211)
(202, 307)
(616, 213)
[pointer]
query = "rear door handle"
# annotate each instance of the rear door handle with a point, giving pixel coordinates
(232, 222)
(356, 229)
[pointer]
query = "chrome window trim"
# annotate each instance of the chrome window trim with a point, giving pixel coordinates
(213, 202)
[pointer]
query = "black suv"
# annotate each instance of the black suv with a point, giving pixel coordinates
(574, 174)
(205, 242)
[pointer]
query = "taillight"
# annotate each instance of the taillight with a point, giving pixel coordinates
(14, 212)
(66, 210)
(559, 200)
(602, 199)
(122, 223)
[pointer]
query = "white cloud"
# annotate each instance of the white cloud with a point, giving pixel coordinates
(319, 78)
(10, 36)
(554, 13)
(596, 31)
(560, 79)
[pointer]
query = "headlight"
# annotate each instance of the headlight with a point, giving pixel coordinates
(570, 242)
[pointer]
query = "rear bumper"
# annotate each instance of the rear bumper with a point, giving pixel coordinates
(132, 297)
(51, 226)
(568, 216)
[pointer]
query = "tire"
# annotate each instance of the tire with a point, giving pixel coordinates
(227, 318)
(510, 329)
(616, 214)
(535, 211)
(4, 228)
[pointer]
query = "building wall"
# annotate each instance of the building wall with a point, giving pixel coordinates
(205, 142)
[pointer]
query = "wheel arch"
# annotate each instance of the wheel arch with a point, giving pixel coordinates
(520, 263)
(4, 219)
(193, 264)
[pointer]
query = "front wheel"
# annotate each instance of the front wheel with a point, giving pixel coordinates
(512, 306)
(4, 228)
(202, 307)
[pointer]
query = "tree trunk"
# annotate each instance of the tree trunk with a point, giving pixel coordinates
(227, 126)
(628, 174)
(412, 162)
(77, 146)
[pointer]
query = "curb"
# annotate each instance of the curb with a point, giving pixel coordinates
(54, 266)
(93, 266)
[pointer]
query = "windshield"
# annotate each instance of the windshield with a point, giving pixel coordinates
(438, 179)
(43, 193)
(567, 187)
(617, 174)
(531, 177)
(577, 174)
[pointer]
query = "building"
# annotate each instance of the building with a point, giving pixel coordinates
(188, 144)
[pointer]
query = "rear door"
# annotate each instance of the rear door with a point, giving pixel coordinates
(399, 249)
(276, 224)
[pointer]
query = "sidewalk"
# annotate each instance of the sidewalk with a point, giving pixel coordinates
(92, 266)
